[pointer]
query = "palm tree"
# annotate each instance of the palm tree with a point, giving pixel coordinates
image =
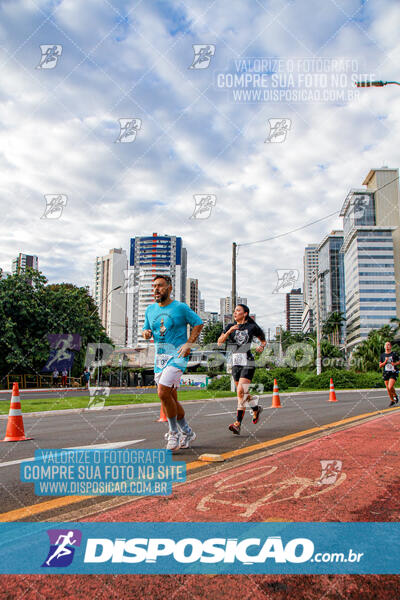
(332, 326)
(368, 352)
(396, 324)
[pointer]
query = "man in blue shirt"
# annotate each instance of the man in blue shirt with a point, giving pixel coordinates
(167, 320)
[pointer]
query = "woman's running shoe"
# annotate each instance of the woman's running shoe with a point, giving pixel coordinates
(234, 428)
(256, 414)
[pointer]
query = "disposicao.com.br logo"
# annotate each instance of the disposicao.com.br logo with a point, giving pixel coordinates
(176, 552)
(190, 550)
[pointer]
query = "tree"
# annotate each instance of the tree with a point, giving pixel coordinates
(212, 331)
(332, 325)
(289, 338)
(30, 310)
(367, 353)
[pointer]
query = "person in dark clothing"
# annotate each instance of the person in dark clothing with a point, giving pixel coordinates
(86, 377)
(389, 361)
(239, 336)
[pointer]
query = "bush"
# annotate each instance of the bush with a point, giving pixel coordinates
(223, 383)
(265, 378)
(370, 380)
(285, 378)
(343, 380)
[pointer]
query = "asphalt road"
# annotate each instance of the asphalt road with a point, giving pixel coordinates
(209, 418)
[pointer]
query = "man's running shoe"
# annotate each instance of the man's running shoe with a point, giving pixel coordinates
(392, 403)
(186, 439)
(173, 441)
(256, 414)
(396, 398)
(234, 428)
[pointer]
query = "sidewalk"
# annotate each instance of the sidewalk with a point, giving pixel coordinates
(349, 475)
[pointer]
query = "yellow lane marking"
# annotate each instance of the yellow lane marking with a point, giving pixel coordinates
(286, 438)
(34, 509)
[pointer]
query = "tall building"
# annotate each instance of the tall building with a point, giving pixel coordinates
(183, 270)
(202, 303)
(150, 256)
(331, 277)
(110, 274)
(22, 261)
(371, 246)
(310, 267)
(192, 294)
(294, 310)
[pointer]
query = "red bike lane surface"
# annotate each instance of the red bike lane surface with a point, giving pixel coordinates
(351, 475)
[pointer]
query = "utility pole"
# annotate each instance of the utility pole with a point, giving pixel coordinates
(319, 368)
(233, 295)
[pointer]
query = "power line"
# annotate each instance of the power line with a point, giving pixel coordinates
(289, 232)
(312, 223)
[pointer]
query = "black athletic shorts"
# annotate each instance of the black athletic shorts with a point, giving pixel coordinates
(245, 372)
(390, 375)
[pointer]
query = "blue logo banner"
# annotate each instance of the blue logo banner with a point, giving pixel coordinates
(196, 548)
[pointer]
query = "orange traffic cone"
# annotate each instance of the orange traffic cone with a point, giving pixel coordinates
(15, 425)
(332, 395)
(276, 401)
(163, 418)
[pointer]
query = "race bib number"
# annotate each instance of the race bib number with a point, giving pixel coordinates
(162, 360)
(389, 367)
(239, 359)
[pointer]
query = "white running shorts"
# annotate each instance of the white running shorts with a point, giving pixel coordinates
(170, 377)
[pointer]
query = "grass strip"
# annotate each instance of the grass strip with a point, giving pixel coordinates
(68, 402)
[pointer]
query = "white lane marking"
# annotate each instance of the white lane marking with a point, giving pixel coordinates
(92, 447)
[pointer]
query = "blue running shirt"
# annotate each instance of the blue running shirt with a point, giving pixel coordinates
(169, 327)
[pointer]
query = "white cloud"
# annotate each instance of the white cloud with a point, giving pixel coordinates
(58, 131)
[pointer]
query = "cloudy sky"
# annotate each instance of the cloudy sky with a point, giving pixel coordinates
(59, 126)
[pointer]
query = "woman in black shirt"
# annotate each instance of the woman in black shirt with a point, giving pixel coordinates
(239, 336)
(389, 361)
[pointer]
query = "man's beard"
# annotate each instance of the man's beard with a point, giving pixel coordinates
(162, 297)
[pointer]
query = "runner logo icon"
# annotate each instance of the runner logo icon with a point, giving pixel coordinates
(62, 547)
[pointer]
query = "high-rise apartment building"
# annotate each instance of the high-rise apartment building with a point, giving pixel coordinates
(192, 294)
(331, 278)
(150, 256)
(310, 268)
(294, 310)
(22, 261)
(110, 274)
(371, 219)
